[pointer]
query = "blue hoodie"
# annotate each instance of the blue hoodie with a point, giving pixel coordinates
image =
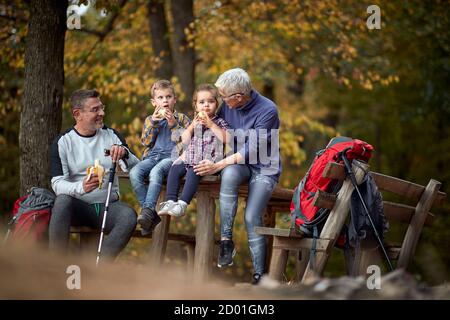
(259, 124)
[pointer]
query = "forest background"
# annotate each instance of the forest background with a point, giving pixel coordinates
(327, 71)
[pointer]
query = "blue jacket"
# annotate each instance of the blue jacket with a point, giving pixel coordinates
(256, 133)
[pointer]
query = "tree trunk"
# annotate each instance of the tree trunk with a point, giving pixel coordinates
(183, 55)
(160, 38)
(40, 119)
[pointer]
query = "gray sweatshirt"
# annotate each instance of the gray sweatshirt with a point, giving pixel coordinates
(72, 153)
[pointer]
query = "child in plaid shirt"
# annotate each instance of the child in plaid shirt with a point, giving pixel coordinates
(159, 136)
(206, 136)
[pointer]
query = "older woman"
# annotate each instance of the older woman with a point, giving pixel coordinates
(256, 161)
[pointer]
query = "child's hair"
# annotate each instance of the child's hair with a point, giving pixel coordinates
(162, 84)
(205, 87)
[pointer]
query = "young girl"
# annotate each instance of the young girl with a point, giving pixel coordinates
(206, 136)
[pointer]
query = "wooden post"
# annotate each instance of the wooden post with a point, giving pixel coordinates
(269, 221)
(358, 259)
(204, 235)
(301, 262)
(190, 251)
(335, 221)
(159, 237)
(278, 261)
(415, 227)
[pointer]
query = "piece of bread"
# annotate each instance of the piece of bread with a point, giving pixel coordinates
(98, 169)
(202, 115)
(162, 112)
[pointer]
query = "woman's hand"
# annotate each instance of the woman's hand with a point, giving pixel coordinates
(206, 167)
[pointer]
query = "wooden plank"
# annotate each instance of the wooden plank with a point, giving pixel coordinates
(334, 170)
(398, 186)
(277, 232)
(415, 227)
(298, 244)
(324, 199)
(179, 237)
(335, 221)
(204, 234)
(402, 213)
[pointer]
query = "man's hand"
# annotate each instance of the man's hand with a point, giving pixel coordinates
(117, 152)
(91, 184)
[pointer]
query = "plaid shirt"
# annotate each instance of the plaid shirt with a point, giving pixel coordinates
(204, 144)
(151, 130)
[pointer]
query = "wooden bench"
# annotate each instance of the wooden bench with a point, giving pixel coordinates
(200, 246)
(416, 215)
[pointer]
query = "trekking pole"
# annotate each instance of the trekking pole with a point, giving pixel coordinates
(355, 184)
(112, 172)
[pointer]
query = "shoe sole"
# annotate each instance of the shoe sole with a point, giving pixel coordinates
(228, 265)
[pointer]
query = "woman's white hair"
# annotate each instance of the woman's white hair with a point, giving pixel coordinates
(234, 81)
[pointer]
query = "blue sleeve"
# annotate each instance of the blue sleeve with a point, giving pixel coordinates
(259, 135)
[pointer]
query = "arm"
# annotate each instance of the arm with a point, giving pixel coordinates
(149, 132)
(61, 182)
(207, 167)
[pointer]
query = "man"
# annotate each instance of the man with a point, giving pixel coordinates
(80, 199)
(256, 161)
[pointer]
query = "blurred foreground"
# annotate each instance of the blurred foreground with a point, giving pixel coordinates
(32, 273)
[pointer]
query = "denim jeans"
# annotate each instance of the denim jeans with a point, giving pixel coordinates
(260, 188)
(156, 169)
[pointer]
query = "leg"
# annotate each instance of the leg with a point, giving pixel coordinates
(157, 175)
(68, 211)
(138, 174)
(232, 177)
(120, 224)
(260, 191)
(177, 171)
(190, 185)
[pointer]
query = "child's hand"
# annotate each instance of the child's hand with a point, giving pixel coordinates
(204, 119)
(156, 116)
(170, 118)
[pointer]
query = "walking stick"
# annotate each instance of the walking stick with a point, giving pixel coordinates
(112, 172)
(355, 184)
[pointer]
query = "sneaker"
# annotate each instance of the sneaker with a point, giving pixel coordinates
(178, 209)
(226, 253)
(148, 219)
(164, 207)
(256, 278)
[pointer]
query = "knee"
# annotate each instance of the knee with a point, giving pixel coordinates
(135, 174)
(62, 202)
(128, 218)
(230, 176)
(157, 175)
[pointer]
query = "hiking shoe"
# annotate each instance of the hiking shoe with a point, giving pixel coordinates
(178, 209)
(226, 253)
(148, 219)
(256, 278)
(164, 207)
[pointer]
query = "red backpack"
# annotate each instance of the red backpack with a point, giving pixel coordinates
(306, 218)
(31, 216)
